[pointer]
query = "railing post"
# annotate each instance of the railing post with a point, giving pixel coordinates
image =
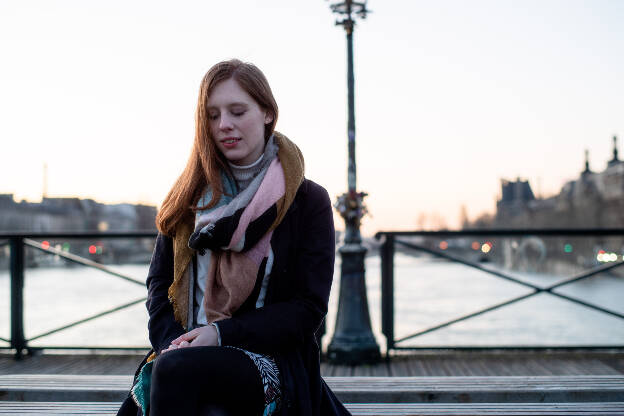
(387, 291)
(18, 341)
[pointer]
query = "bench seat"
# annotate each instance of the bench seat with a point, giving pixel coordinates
(518, 389)
(357, 409)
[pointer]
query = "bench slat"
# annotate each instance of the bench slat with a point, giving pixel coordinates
(486, 409)
(58, 408)
(351, 389)
(367, 409)
(359, 383)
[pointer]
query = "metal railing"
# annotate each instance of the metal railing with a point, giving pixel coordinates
(387, 252)
(17, 243)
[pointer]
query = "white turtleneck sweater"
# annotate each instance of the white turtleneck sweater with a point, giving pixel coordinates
(245, 174)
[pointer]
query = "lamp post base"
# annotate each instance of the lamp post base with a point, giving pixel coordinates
(353, 351)
(353, 341)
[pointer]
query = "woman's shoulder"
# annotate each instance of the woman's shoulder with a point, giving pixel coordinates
(312, 195)
(312, 191)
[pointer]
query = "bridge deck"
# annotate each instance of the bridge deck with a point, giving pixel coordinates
(442, 363)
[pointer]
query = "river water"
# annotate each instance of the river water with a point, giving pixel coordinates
(428, 292)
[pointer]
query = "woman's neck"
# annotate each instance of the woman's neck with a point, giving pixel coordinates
(233, 166)
(245, 174)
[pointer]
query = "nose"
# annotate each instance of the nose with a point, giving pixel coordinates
(225, 122)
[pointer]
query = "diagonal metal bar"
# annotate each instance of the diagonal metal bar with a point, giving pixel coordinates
(585, 275)
(536, 289)
(548, 289)
(500, 305)
(467, 263)
(90, 318)
(589, 305)
(5, 340)
(81, 260)
(463, 318)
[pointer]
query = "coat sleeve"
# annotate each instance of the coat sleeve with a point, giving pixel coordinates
(162, 326)
(284, 325)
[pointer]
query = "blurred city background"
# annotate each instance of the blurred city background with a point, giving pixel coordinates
(470, 116)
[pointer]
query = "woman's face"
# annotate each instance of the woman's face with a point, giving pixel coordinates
(236, 123)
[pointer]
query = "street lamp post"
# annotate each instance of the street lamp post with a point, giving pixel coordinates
(353, 341)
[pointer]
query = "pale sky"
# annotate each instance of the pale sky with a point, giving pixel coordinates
(451, 96)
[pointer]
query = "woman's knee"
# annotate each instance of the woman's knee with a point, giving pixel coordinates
(169, 365)
(186, 362)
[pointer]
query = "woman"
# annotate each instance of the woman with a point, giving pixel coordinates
(241, 272)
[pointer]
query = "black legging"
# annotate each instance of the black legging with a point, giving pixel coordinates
(186, 380)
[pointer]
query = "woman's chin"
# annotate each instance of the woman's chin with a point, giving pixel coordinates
(233, 156)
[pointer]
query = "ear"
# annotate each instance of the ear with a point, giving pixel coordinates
(268, 117)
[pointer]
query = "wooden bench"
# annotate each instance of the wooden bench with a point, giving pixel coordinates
(538, 395)
(358, 409)
(519, 389)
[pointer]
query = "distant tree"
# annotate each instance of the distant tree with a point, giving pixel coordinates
(463, 217)
(438, 222)
(483, 220)
(421, 222)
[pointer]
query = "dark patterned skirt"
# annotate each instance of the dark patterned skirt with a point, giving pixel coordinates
(269, 373)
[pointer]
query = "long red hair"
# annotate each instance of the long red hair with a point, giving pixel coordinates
(206, 161)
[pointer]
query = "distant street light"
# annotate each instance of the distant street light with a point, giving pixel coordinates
(353, 341)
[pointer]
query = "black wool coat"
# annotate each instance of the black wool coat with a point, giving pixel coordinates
(295, 305)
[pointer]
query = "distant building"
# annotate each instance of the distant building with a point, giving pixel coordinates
(594, 200)
(516, 196)
(73, 214)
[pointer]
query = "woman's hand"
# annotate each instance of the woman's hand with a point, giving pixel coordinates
(204, 336)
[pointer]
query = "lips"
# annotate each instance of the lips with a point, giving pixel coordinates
(230, 140)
